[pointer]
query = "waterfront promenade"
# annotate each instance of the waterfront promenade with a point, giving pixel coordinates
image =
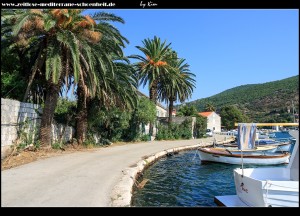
(78, 179)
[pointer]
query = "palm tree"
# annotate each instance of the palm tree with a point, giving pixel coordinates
(25, 55)
(63, 40)
(105, 71)
(178, 86)
(116, 89)
(152, 65)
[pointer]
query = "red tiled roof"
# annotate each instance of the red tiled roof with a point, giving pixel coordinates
(205, 114)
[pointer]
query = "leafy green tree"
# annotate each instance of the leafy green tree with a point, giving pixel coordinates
(110, 124)
(209, 107)
(185, 110)
(230, 115)
(201, 122)
(200, 126)
(144, 114)
(64, 114)
(175, 131)
(258, 100)
(12, 81)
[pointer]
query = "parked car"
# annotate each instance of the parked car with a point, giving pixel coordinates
(209, 133)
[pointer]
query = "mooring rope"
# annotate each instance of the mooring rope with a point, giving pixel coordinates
(270, 183)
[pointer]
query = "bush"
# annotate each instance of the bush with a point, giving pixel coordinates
(27, 136)
(145, 137)
(56, 145)
(175, 131)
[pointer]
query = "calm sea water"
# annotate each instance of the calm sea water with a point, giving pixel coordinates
(181, 180)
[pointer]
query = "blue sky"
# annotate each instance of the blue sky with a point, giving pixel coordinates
(224, 48)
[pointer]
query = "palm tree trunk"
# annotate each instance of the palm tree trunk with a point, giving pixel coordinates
(153, 98)
(153, 92)
(38, 65)
(48, 113)
(81, 117)
(171, 106)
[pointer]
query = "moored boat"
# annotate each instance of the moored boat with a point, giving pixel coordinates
(257, 150)
(246, 143)
(225, 156)
(270, 187)
(282, 145)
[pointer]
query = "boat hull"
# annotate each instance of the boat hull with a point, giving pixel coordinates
(207, 155)
(284, 148)
(254, 187)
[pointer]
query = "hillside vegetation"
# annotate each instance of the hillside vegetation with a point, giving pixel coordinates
(267, 102)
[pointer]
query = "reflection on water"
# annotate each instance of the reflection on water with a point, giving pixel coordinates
(181, 180)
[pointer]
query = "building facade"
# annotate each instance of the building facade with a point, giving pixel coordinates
(213, 121)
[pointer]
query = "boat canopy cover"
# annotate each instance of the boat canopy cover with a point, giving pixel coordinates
(246, 136)
(294, 161)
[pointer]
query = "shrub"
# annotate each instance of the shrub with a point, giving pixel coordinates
(145, 137)
(175, 131)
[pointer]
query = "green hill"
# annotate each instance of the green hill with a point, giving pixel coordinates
(266, 102)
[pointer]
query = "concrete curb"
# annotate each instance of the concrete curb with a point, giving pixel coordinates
(122, 192)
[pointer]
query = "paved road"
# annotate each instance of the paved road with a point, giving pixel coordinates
(78, 179)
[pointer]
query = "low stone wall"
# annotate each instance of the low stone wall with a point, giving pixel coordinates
(14, 113)
(122, 192)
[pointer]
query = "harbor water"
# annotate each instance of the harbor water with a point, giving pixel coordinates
(181, 180)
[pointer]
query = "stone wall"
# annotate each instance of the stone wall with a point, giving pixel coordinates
(176, 120)
(15, 113)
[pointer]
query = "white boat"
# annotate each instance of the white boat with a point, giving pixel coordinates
(270, 187)
(224, 156)
(258, 150)
(282, 146)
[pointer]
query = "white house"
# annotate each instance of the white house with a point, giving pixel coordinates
(161, 111)
(213, 121)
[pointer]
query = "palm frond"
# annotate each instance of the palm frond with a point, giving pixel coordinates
(104, 16)
(69, 40)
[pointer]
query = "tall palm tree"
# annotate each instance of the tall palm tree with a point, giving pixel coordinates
(100, 69)
(178, 85)
(152, 65)
(64, 39)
